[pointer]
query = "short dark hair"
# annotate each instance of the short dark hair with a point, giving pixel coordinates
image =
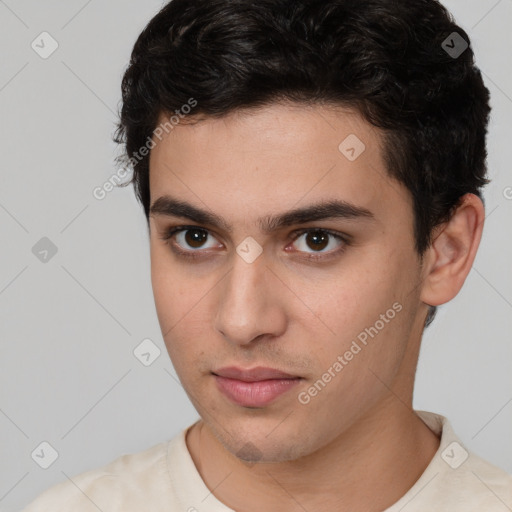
(397, 62)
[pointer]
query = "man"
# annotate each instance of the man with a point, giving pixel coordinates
(311, 173)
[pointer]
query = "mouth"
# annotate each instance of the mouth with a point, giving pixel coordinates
(256, 387)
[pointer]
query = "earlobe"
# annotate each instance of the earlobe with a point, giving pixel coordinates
(450, 257)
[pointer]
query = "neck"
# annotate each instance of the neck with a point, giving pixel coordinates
(368, 467)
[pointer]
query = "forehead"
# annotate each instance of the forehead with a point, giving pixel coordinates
(274, 158)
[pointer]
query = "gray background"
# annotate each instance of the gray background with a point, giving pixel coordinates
(68, 327)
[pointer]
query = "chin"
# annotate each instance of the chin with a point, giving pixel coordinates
(259, 447)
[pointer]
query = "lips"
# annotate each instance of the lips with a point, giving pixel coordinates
(253, 374)
(256, 387)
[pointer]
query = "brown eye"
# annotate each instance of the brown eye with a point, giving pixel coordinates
(195, 237)
(317, 240)
(190, 240)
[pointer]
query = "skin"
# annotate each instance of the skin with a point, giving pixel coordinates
(357, 445)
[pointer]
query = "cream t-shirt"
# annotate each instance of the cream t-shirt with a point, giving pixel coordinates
(164, 478)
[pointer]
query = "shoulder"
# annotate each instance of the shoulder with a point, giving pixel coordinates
(484, 485)
(461, 480)
(457, 479)
(123, 484)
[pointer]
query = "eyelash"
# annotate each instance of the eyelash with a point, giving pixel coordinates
(193, 255)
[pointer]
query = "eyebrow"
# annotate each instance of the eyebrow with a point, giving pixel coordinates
(325, 210)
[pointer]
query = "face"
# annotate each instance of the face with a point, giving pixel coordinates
(304, 263)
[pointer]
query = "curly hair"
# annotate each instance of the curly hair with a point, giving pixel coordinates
(390, 60)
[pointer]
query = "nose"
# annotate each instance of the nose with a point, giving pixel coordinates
(249, 303)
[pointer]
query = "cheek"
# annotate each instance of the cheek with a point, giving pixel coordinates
(172, 295)
(172, 287)
(355, 367)
(349, 301)
(366, 312)
(184, 312)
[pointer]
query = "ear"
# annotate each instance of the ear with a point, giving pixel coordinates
(449, 259)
